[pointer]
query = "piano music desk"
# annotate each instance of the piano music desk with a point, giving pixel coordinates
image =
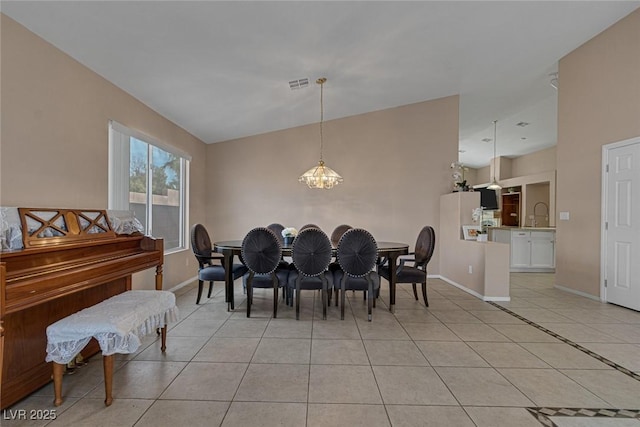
(117, 323)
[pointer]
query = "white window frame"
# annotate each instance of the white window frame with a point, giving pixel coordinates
(119, 163)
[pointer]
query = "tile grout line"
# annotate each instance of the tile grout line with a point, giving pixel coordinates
(542, 414)
(591, 353)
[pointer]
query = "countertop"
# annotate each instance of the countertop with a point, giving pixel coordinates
(522, 228)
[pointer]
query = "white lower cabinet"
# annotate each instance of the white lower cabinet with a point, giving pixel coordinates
(543, 249)
(520, 249)
(532, 250)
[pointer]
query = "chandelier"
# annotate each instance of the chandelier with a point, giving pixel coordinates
(494, 184)
(321, 176)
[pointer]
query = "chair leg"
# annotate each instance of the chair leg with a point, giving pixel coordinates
(298, 296)
(210, 289)
(200, 284)
(415, 292)
(337, 294)
(325, 285)
(342, 299)
(424, 294)
(275, 295)
(370, 298)
(249, 293)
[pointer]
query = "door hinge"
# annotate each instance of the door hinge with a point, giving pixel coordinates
(606, 225)
(607, 168)
(605, 283)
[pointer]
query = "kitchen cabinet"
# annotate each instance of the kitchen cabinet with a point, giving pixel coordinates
(543, 249)
(520, 249)
(532, 250)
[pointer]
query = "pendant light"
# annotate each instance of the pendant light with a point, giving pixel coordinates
(321, 176)
(494, 184)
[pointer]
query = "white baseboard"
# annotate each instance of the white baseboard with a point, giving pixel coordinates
(182, 284)
(582, 294)
(470, 291)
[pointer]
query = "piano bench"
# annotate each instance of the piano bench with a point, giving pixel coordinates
(117, 323)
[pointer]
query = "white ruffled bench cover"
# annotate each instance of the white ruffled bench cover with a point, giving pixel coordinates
(117, 323)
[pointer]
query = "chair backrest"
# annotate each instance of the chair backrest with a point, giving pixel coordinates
(311, 252)
(425, 245)
(357, 252)
(261, 251)
(201, 244)
(304, 227)
(338, 232)
(277, 230)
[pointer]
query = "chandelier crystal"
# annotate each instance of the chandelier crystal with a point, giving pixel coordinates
(321, 176)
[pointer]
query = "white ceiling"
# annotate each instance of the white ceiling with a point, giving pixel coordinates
(221, 69)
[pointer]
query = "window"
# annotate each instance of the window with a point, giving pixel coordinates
(150, 179)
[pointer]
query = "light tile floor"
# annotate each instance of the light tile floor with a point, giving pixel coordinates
(460, 362)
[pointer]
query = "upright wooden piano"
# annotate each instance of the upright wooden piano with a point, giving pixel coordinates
(72, 259)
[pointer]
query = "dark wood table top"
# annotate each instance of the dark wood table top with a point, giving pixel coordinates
(236, 246)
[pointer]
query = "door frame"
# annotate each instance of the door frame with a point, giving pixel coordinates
(603, 203)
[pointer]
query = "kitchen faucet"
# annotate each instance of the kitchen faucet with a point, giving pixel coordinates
(534, 216)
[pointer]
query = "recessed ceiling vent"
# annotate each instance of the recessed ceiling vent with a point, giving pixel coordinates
(486, 140)
(522, 124)
(298, 84)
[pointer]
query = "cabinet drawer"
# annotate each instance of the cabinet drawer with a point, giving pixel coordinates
(542, 234)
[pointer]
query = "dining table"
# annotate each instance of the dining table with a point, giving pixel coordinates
(232, 248)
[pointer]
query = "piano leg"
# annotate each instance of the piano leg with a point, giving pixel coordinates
(58, 371)
(107, 362)
(159, 277)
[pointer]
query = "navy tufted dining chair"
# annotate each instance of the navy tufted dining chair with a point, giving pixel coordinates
(416, 273)
(261, 252)
(311, 255)
(338, 232)
(304, 227)
(357, 255)
(277, 230)
(208, 270)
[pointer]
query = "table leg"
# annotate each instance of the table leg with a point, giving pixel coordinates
(228, 279)
(163, 331)
(392, 283)
(107, 362)
(58, 371)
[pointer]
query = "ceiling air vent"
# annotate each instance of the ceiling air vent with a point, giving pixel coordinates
(298, 84)
(486, 140)
(522, 124)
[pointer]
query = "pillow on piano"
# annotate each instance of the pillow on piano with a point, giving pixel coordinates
(10, 231)
(124, 222)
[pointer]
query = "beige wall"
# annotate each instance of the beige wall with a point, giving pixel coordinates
(395, 165)
(483, 176)
(479, 267)
(528, 164)
(534, 163)
(54, 137)
(598, 103)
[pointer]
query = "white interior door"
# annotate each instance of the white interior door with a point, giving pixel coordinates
(621, 243)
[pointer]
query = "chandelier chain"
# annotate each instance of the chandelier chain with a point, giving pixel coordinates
(321, 115)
